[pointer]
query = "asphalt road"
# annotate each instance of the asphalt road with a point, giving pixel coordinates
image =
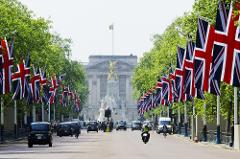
(116, 145)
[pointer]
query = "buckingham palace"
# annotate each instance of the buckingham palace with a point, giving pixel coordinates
(97, 73)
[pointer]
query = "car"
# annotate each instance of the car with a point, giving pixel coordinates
(122, 125)
(40, 134)
(92, 126)
(65, 129)
(148, 123)
(164, 121)
(136, 125)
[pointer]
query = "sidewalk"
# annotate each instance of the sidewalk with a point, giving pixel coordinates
(13, 141)
(221, 146)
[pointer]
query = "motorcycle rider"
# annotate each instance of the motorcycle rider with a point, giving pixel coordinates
(165, 130)
(145, 130)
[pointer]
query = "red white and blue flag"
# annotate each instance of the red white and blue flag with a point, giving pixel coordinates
(179, 73)
(203, 54)
(19, 78)
(6, 55)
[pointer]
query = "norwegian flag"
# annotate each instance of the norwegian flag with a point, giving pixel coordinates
(6, 65)
(19, 78)
(179, 73)
(35, 85)
(226, 49)
(203, 54)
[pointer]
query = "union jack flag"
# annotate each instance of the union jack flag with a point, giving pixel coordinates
(179, 73)
(35, 85)
(43, 77)
(172, 77)
(6, 55)
(19, 78)
(189, 85)
(166, 91)
(226, 48)
(203, 54)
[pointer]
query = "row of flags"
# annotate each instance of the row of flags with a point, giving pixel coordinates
(201, 66)
(33, 88)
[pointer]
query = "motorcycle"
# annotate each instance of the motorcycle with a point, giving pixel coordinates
(165, 134)
(76, 135)
(145, 137)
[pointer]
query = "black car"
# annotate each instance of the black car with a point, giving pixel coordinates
(92, 126)
(65, 129)
(136, 125)
(40, 134)
(122, 125)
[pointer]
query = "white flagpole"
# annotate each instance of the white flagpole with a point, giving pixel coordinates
(49, 112)
(42, 111)
(34, 113)
(236, 124)
(112, 39)
(185, 120)
(179, 120)
(15, 118)
(218, 139)
(2, 119)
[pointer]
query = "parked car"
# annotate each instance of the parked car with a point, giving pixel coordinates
(164, 121)
(122, 125)
(92, 126)
(136, 125)
(65, 129)
(40, 134)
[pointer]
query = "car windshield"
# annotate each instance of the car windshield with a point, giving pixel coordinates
(165, 122)
(136, 124)
(40, 127)
(64, 125)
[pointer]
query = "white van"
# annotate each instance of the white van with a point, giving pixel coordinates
(167, 122)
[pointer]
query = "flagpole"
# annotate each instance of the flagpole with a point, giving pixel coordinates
(15, 119)
(179, 120)
(205, 122)
(34, 113)
(54, 112)
(185, 120)
(2, 119)
(42, 111)
(49, 112)
(236, 123)
(218, 139)
(112, 39)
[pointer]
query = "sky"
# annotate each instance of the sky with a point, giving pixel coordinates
(87, 22)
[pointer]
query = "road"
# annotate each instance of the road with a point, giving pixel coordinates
(116, 145)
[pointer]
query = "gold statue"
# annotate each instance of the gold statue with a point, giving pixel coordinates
(112, 75)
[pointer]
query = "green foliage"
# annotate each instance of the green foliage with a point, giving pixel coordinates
(47, 50)
(156, 62)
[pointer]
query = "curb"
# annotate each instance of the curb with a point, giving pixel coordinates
(221, 146)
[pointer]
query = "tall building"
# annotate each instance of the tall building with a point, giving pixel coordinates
(97, 75)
